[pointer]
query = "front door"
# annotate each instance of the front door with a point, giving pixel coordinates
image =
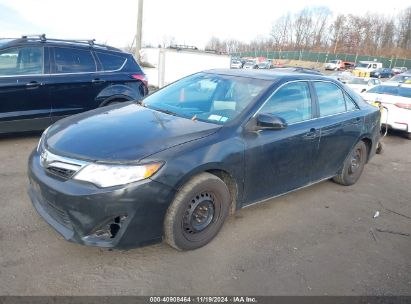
(279, 161)
(24, 101)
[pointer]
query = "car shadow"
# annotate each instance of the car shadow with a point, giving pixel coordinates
(23, 135)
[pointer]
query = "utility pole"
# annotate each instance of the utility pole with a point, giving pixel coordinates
(139, 29)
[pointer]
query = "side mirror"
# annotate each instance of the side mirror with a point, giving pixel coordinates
(266, 121)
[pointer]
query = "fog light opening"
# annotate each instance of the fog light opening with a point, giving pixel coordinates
(109, 230)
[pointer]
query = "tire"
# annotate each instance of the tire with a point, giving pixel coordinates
(380, 148)
(206, 197)
(408, 135)
(353, 165)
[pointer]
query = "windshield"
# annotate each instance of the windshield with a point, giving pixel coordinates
(357, 81)
(333, 61)
(207, 97)
(363, 65)
(400, 78)
(3, 41)
(391, 90)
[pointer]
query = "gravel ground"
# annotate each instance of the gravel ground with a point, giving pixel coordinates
(316, 241)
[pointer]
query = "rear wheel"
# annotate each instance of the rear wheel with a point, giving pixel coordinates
(197, 212)
(353, 165)
(408, 135)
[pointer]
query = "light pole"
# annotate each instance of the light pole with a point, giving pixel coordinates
(139, 29)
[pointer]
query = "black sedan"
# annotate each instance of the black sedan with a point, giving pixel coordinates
(177, 164)
(382, 73)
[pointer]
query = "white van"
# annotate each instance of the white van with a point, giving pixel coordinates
(368, 66)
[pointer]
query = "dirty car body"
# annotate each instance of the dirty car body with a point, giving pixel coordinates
(195, 125)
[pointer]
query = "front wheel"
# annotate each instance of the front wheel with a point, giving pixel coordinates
(197, 212)
(353, 165)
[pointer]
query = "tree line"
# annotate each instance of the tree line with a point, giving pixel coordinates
(316, 29)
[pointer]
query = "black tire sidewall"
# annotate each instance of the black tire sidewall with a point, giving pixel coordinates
(222, 202)
(351, 179)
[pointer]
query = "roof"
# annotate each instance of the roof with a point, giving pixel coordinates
(268, 74)
(41, 40)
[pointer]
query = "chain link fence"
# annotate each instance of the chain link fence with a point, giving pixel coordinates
(324, 57)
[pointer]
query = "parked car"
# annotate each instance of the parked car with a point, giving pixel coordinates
(401, 78)
(342, 76)
(265, 65)
(338, 65)
(250, 64)
(175, 165)
(236, 64)
(360, 85)
(43, 80)
(399, 70)
(382, 73)
(397, 99)
(333, 65)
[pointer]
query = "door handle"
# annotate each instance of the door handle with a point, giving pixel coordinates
(311, 134)
(97, 81)
(33, 84)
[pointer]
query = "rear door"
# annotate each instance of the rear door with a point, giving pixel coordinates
(340, 124)
(279, 161)
(76, 82)
(24, 102)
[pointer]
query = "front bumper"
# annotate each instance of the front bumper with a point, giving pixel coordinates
(78, 210)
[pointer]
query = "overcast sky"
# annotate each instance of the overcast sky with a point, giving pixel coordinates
(191, 22)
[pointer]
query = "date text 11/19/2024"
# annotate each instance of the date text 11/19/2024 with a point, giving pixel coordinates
(203, 299)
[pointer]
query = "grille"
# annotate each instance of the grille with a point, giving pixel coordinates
(61, 172)
(60, 166)
(56, 213)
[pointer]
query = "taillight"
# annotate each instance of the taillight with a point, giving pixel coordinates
(141, 77)
(404, 105)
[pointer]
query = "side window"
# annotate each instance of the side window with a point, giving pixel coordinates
(292, 102)
(330, 98)
(21, 61)
(70, 60)
(110, 62)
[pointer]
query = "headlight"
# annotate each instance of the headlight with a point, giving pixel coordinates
(41, 141)
(115, 175)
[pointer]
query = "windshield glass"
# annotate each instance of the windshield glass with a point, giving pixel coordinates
(391, 90)
(207, 97)
(400, 78)
(4, 41)
(333, 61)
(363, 65)
(357, 81)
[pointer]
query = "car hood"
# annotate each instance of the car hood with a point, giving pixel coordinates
(122, 133)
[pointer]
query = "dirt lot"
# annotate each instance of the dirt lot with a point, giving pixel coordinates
(316, 241)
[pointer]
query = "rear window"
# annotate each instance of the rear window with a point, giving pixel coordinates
(330, 98)
(70, 60)
(110, 62)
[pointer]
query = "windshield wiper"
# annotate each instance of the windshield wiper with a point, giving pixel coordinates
(165, 111)
(141, 103)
